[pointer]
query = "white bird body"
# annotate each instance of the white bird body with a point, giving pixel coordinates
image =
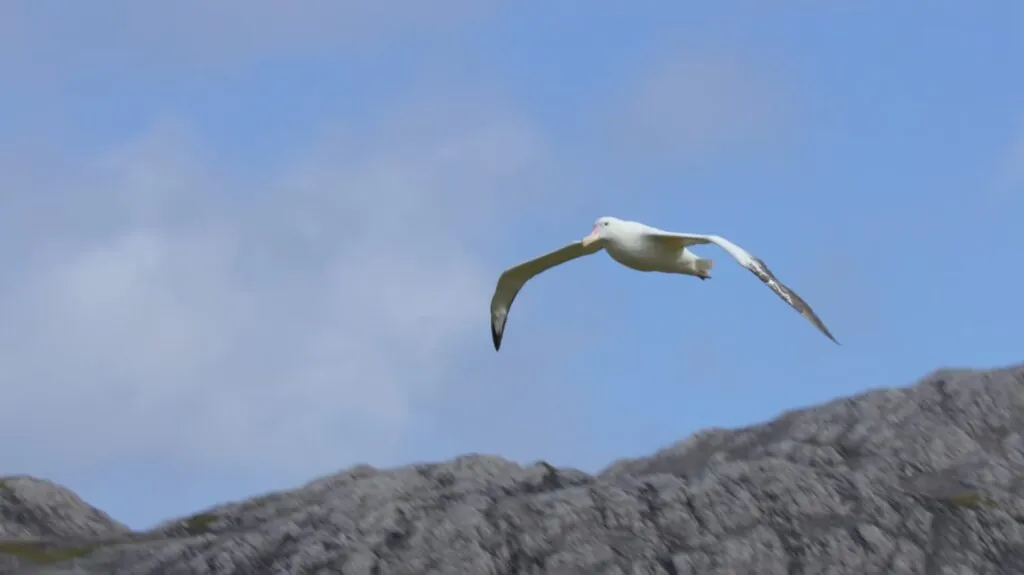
(643, 248)
(636, 247)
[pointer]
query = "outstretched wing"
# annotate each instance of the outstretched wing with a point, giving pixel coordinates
(757, 267)
(514, 278)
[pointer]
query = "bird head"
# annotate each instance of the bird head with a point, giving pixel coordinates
(603, 228)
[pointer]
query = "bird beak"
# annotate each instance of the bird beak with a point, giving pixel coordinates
(591, 238)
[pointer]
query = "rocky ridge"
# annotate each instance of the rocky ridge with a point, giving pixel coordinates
(919, 480)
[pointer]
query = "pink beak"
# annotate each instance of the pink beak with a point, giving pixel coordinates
(593, 237)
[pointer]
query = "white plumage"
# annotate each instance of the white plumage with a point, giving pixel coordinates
(643, 248)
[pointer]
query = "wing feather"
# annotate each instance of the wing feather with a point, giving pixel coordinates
(758, 268)
(513, 279)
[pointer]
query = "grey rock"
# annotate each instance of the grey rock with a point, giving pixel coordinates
(920, 480)
(31, 507)
(35, 510)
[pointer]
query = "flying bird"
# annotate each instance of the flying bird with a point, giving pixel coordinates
(642, 248)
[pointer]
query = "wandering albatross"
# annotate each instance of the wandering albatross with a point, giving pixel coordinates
(642, 248)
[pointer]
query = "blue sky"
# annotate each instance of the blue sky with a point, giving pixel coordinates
(249, 245)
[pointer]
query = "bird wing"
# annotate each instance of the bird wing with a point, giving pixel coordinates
(755, 265)
(514, 278)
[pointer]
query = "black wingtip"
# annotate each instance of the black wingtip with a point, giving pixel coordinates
(828, 335)
(496, 338)
(824, 330)
(821, 327)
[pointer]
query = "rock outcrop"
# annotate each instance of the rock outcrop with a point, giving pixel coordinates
(39, 519)
(921, 480)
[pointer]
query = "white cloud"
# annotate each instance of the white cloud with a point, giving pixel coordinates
(155, 307)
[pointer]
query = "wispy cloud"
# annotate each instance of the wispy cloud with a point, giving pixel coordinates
(162, 304)
(157, 305)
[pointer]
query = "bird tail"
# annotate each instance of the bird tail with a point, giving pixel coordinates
(704, 266)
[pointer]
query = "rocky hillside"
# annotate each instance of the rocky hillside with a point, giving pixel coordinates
(921, 480)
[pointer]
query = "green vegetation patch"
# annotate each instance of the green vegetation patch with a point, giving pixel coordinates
(38, 553)
(972, 500)
(199, 524)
